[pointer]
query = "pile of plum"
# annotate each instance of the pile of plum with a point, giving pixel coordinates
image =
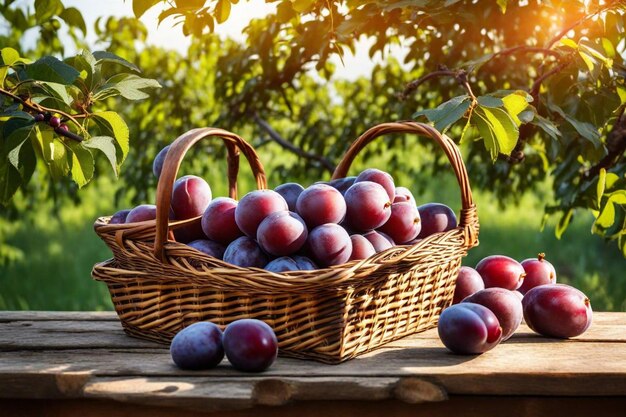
(249, 344)
(490, 301)
(292, 228)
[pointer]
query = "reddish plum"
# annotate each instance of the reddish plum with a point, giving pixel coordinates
(501, 271)
(330, 244)
(469, 328)
(157, 164)
(190, 197)
(361, 248)
(436, 218)
(245, 252)
(250, 345)
(142, 213)
(467, 283)
(404, 194)
(321, 204)
(218, 221)
(119, 217)
(504, 304)
(368, 206)
(342, 184)
(379, 177)
(290, 192)
(209, 247)
(557, 310)
(538, 272)
(282, 233)
(379, 240)
(404, 223)
(198, 346)
(282, 264)
(256, 206)
(304, 263)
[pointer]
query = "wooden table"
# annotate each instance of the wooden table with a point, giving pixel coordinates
(57, 364)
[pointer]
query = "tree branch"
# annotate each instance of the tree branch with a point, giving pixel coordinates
(527, 50)
(578, 22)
(41, 109)
(276, 137)
(412, 86)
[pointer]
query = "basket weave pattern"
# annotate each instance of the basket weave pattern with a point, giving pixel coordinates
(159, 286)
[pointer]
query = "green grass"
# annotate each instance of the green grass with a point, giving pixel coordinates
(59, 253)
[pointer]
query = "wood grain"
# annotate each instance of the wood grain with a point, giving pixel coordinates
(46, 355)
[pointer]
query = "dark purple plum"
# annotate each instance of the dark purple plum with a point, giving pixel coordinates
(189, 232)
(330, 244)
(361, 248)
(368, 206)
(157, 164)
(290, 192)
(501, 271)
(320, 204)
(141, 213)
(198, 346)
(209, 247)
(218, 221)
(282, 264)
(282, 233)
(467, 283)
(436, 218)
(342, 184)
(504, 304)
(250, 345)
(403, 194)
(119, 217)
(379, 177)
(379, 240)
(256, 206)
(469, 329)
(538, 272)
(304, 263)
(404, 223)
(245, 252)
(190, 197)
(557, 310)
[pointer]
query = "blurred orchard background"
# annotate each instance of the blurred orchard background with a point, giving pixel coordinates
(300, 80)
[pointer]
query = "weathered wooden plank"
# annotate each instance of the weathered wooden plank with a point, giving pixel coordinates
(7, 316)
(546, 368)
(70, 334)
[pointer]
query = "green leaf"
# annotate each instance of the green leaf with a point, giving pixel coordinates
(46, 9)
(563, 223)
(106, 145)
(105, 56)
(608, 48)
(74, 18)
(584, 129)
(547, 126)
(621, 91)
(51, 69)
(504, 132)
(10, 180)
(303, 6)
(141, 6)
(516, 103)
(569, 43)
(446, 113)
(484, 130)
(489, 101)
(588, 60)
(502, 4)
(115, 126)
(9, 56)
(14, 143)
(58, 91)
(222, 10)
(129, 86)
(82, 164)
(600, 187)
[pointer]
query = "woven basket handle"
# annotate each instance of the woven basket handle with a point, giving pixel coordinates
(469, 218)
(234, 144)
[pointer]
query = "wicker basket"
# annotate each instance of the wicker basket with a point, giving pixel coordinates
(159, 286)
